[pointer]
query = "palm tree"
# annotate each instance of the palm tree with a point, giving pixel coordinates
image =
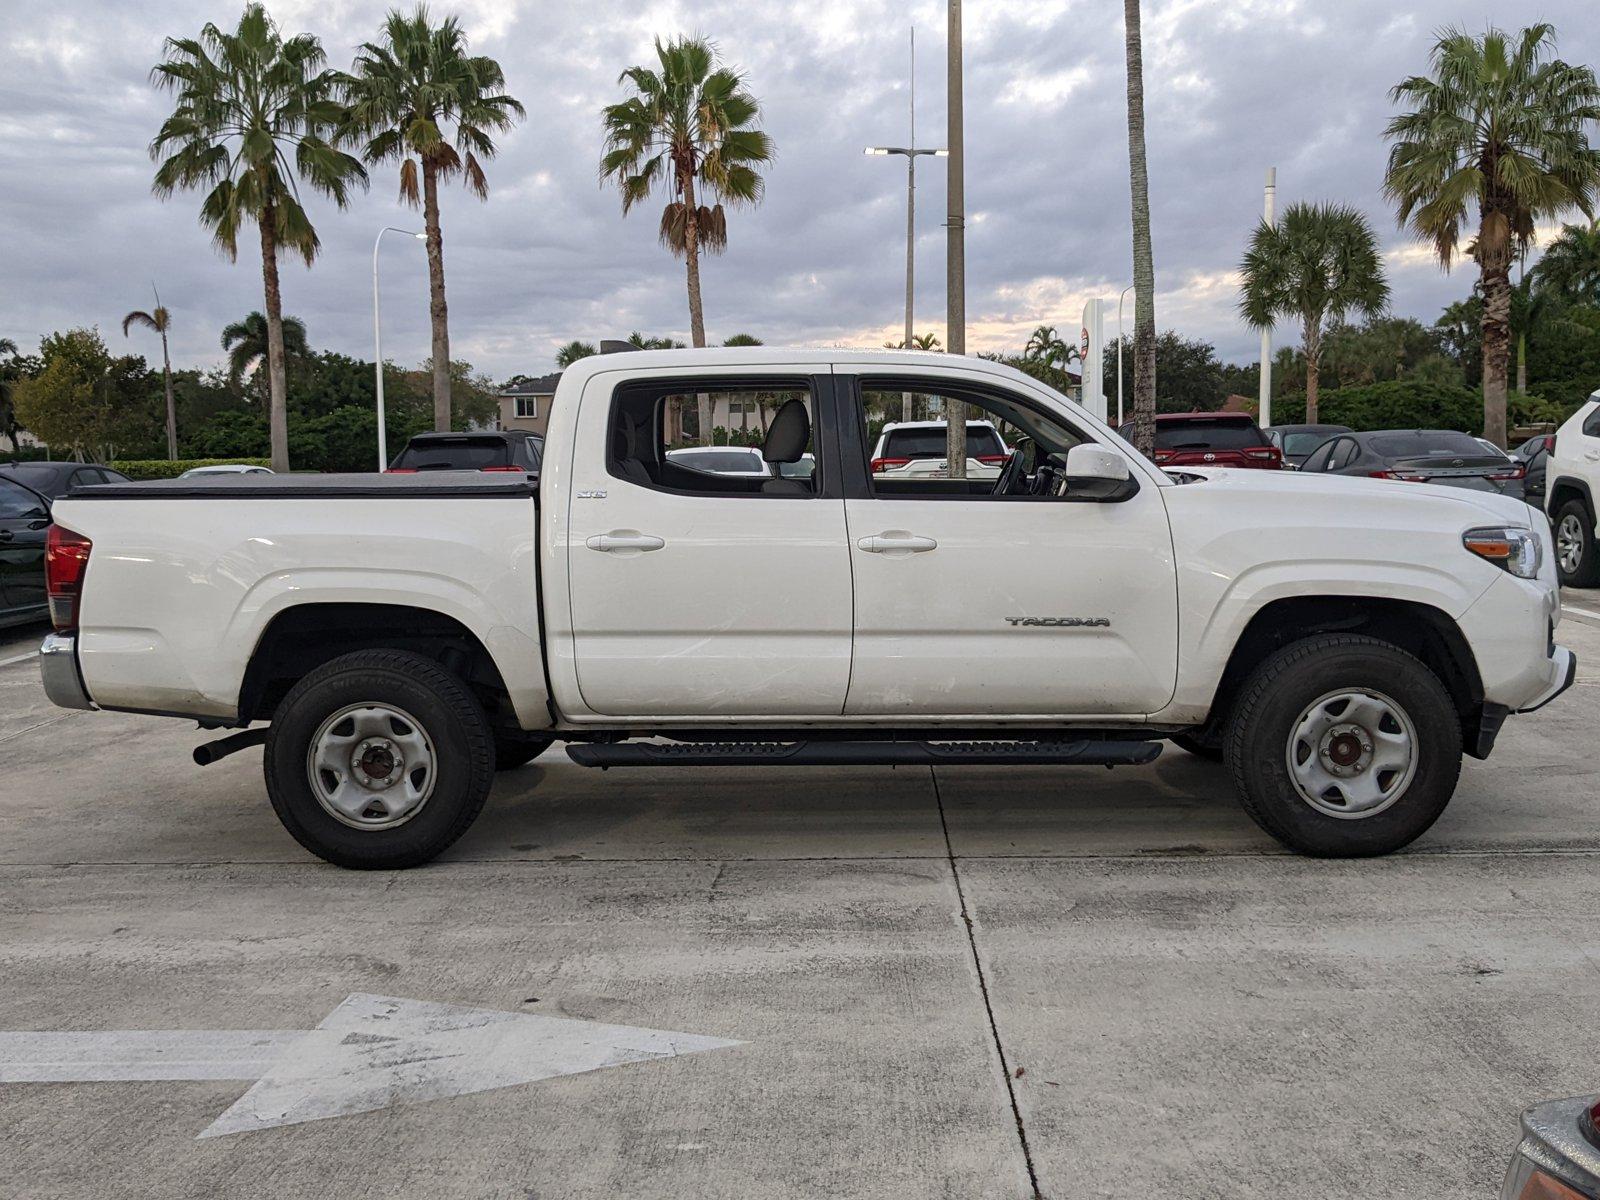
(1049, 348)
(573, 351)
(247, 343)
(688, 127)
(1499, 126)
(1320, 262)
(649, 342)
(743, 339)
(160, 320)
(406, 94)
(245, 101)
(1144, 270)
(1570, 268)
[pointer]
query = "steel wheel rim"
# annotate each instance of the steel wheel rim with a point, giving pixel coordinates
(371, 766)
(1352, 753)
(1569, 543)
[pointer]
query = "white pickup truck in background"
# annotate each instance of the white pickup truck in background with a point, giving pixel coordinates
(1339, 642)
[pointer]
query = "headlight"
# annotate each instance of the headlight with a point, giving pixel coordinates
(1517, 550)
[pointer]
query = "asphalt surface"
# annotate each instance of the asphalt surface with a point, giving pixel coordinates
(963, 983)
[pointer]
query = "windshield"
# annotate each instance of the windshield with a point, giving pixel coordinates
(1208, 435)
(1303, 443)
(930, 443)
(455, 455)
(1428, 443)
(721, 462)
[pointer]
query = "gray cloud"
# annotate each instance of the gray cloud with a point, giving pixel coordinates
(1233, 87)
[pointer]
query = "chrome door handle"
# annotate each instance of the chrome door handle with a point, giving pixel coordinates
(624, 541)
(895, 541)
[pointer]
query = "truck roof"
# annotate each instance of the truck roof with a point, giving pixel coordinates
(805, 357)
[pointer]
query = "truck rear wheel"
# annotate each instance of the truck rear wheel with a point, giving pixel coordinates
(1344, 746)
(1577, 561)
(378, 760)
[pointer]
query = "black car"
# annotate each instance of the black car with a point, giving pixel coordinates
(1534, 455)
(491, 450)
(1441, 456)
(56, 479)
(1298, 441)
(24, 517)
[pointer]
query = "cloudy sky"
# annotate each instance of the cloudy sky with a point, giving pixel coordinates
(1233, 87)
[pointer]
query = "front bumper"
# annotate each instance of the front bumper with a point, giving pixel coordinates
(1554, 1158)
(1562, 670)
(58, 664)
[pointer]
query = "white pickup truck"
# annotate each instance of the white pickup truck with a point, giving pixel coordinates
(1339, 643)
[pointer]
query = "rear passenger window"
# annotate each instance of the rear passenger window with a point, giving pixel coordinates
(753, 437)
(1591, 423)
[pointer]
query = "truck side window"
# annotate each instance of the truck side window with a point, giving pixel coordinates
(716, 435)
(905, 428)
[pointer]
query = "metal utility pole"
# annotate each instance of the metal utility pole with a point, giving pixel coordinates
(956, 248)
(377, 341)
(911, 152)
(1269, 215)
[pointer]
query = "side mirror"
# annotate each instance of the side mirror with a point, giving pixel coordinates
(1096, 473)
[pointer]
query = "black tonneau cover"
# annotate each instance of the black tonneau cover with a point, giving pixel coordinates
(428, 485)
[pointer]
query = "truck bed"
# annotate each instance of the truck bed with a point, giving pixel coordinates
(430, 485)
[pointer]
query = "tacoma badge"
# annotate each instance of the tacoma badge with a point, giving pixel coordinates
(1062, 622)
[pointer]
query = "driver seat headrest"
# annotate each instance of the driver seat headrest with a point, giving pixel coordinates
(788, 435)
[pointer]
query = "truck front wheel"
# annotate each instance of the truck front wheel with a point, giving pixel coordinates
(378, 760)
(1344, 746)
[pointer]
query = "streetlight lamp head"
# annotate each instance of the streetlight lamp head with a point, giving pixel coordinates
(877, 150)
(941, 154)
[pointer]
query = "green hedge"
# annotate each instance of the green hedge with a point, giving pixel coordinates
(1393, 404)
(163, 468)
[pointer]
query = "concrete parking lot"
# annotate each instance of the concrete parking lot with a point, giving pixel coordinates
(969, 982)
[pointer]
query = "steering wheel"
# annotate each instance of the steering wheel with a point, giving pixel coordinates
(1011, 474)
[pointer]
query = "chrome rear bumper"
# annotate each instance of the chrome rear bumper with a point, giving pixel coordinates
(58, 664)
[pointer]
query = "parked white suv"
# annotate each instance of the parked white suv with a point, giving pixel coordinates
(917, 449)
(1572, 480)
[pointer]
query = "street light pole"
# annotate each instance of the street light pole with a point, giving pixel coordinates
(377, 341)
(955, 244)
(911, 152)
(1120, 299)
(1264, 407)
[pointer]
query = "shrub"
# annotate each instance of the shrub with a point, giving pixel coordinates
(1393, 404)
(162, 468)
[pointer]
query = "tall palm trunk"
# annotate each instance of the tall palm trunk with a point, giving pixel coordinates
(277, 383)
(172, 409)
(438, 311)
(1313, 343)
(1494, 258)
(1144, 271)
(697, 316)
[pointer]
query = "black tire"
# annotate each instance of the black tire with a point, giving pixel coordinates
(449, 716)
(1587, 571)
(1266, 713)
(1197, 745)
(514, 748)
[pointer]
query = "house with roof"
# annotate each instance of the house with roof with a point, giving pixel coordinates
(525, 404)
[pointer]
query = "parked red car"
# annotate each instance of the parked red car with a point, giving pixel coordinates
(1202, 439)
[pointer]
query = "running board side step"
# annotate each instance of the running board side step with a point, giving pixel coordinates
(1084, 752)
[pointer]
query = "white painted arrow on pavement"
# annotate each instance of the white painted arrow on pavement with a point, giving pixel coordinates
(369, 1053)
